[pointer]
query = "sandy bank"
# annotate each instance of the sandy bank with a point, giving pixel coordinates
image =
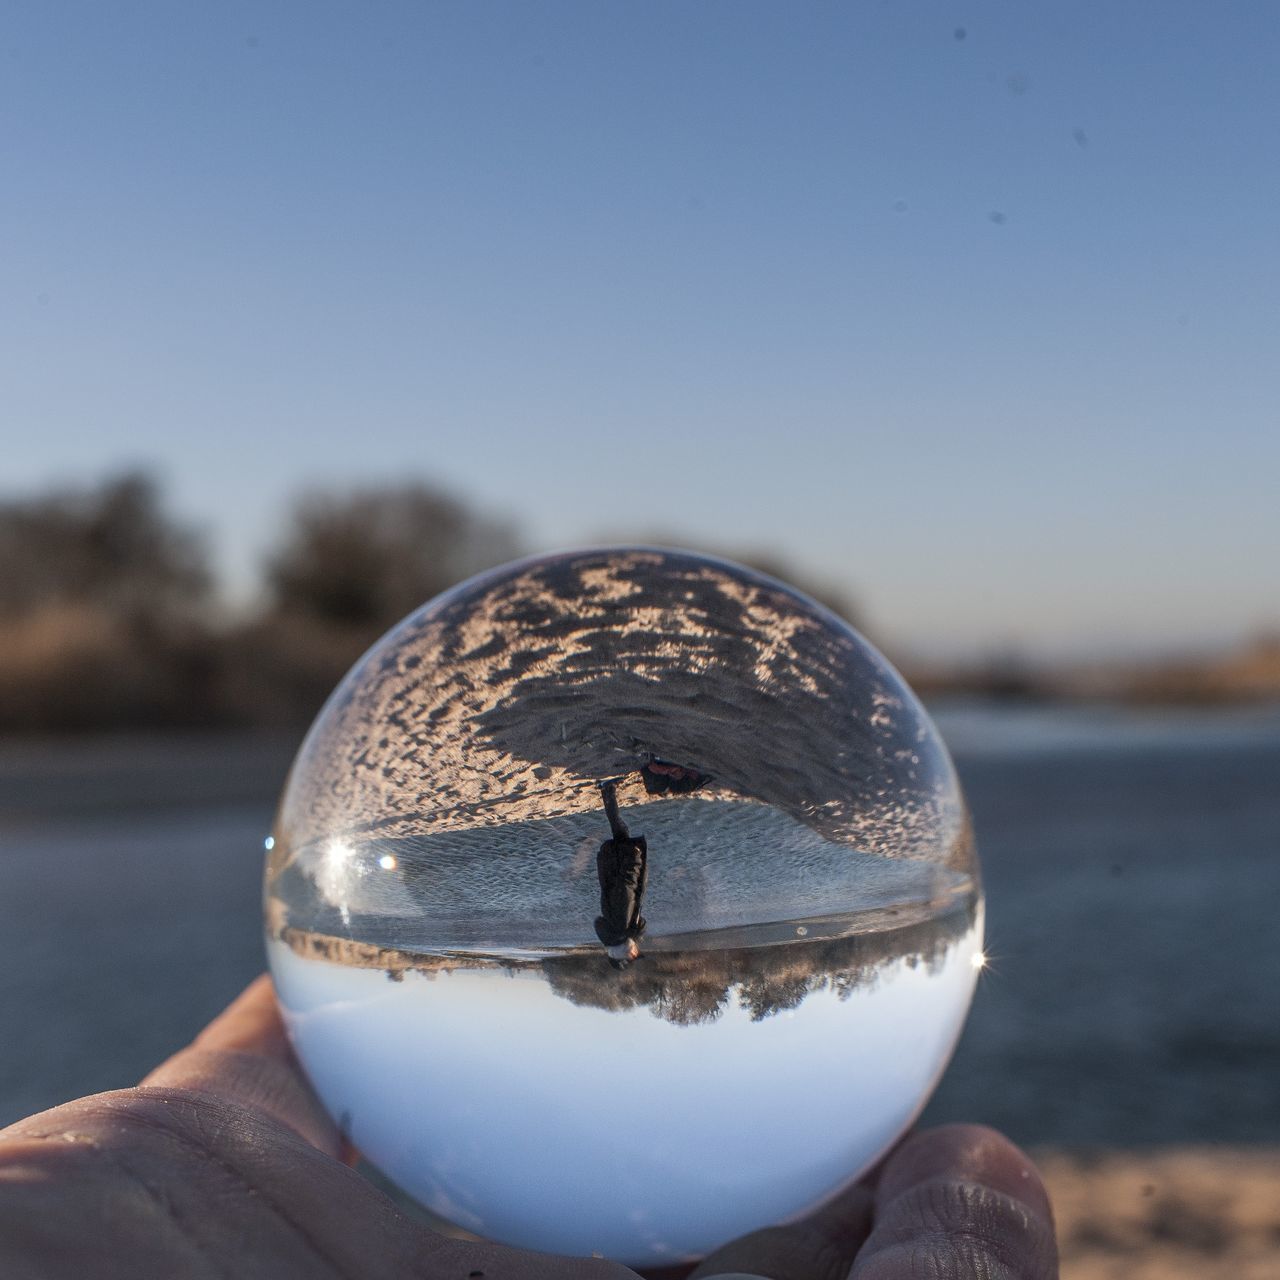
(1212, 1213)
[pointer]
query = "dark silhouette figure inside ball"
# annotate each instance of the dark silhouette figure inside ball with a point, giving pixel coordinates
(622, 866)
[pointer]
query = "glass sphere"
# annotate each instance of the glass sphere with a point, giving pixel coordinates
(622, 901)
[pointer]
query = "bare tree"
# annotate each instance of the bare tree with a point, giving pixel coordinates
(350, 565)
(110, 547)
(365, 559)
(101, 618)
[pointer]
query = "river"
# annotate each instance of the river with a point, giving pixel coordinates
(1130, 860)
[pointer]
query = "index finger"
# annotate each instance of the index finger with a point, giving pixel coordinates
(818, 1247)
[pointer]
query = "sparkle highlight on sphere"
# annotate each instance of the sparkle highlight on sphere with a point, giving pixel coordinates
(336, 855)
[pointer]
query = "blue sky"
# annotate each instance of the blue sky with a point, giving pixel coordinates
(982, 328)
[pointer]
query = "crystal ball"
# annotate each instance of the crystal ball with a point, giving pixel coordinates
(622, 901)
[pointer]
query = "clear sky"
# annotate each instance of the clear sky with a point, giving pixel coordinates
(970, 307)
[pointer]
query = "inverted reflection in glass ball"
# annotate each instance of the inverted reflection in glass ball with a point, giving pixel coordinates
(622, 901)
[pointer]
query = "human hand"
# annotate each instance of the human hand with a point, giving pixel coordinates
(223, 1163)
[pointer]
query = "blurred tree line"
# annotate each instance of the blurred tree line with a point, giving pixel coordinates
(110, 618)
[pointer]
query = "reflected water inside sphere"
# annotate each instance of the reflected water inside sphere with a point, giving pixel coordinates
(602, 864)
(648, 1116)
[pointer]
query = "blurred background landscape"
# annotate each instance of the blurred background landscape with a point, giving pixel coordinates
(960, 319)
(1127, 816)
(112, 615)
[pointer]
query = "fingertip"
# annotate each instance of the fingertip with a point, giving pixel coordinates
(957, 1202)
(964, 1153)
(251, 1023)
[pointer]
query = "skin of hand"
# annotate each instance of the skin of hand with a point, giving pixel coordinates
(222, 1163)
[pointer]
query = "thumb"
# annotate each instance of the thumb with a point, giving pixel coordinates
(959, 1203)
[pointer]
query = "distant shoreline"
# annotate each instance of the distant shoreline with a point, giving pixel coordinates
(691, 977)
(1246, 676)
(944, 920)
